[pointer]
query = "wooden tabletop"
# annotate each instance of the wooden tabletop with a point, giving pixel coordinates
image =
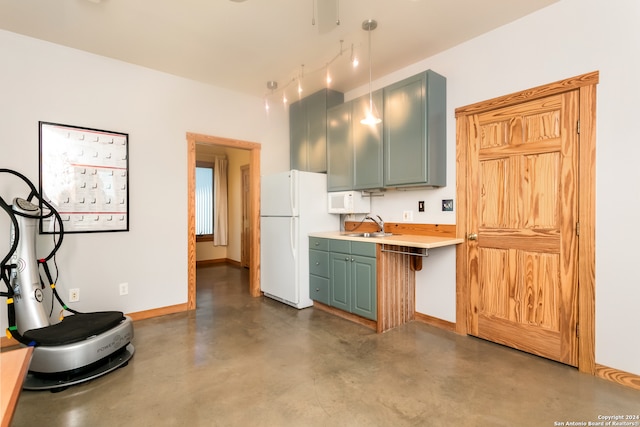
(14, 365)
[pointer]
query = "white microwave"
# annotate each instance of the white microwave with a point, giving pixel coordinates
(348, 202)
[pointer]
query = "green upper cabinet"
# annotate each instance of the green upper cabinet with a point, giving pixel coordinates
(415, 131)
(354, 150)
(308, 130)
(367, 144)
(298, 138)
(339, 149)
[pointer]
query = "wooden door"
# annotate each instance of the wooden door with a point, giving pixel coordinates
(523, 246)
(245, 235)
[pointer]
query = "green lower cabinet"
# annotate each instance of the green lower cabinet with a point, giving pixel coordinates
(352, 280)
(342, 274)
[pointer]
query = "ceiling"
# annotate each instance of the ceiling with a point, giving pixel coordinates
(242, 44)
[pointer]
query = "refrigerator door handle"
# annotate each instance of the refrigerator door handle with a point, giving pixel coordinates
(293, 196)
(293, 233)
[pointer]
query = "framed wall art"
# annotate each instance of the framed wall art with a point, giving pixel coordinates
(84, 174)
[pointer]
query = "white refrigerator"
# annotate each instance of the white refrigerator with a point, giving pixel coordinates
(292, 205)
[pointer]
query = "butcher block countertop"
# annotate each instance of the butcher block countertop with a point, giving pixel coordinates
(15, 364)
(408, 240)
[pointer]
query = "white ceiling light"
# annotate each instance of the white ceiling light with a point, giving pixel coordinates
(370, 119)
(354, 58)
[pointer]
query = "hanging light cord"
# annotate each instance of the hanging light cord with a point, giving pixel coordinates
(370, 94)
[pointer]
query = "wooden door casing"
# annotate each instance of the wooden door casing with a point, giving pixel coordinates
(245, 243)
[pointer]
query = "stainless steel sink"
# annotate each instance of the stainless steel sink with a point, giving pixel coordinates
(374, 234)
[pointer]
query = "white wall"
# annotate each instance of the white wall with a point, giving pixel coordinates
(566, 39)
(42, 81)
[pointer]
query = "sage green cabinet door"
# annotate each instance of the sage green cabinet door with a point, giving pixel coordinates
(339, 149)
(363, 287)
(308, 130)
(317, 132)
(298, 135)
(415, 131)
(367, 144)
(340, 280)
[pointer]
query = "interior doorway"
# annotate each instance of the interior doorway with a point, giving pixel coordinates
(253, 212)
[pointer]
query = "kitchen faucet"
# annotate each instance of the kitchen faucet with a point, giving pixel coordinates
(379, 222)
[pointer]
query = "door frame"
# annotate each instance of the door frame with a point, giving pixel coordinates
(245, 258)
(254, 214)
(586, 84)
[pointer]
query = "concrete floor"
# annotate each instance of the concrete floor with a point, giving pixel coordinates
(242, 361)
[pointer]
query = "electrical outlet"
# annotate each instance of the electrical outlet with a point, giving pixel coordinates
(421, 206)
(74, 295)
(124, 288)
(407, 216)
(447, 205)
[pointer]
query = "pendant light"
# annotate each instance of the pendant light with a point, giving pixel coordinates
(370, 119)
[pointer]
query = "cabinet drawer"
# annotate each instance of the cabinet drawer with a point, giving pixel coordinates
(364, 249)
(319, 289)
(318, 243)
(319, 263)
(342, 246)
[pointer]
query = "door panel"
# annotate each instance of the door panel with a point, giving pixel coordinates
(364, 287)
(340, 269)
(522, 178)
(280, 273)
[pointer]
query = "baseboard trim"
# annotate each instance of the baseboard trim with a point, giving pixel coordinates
(618, 376)
(434, 321)
(140, 315)
(157, 312)
(347, 316)
(208, 262)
